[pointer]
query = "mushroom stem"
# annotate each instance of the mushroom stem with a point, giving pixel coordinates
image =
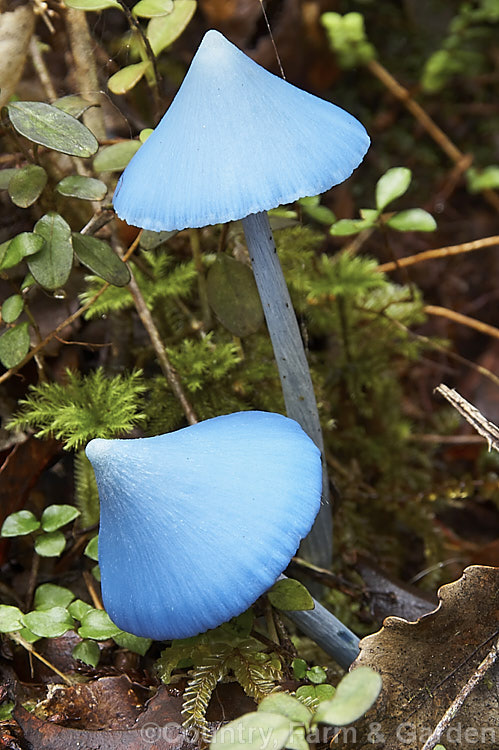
(298, 391)
(322, 627)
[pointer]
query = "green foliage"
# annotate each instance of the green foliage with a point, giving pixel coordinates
(86, 493)
(289, 594)
(286, 722)
(390, 186)
(348, 39)
(85, 407)
(214, 655)
(462, 51)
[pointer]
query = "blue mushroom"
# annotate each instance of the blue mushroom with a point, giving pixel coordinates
(235, 142)
(198, 523)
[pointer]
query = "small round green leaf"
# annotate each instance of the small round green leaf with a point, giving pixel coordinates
(101, 259)
(255, 731)
(132, 642)
(290, 594)
(324, 692)
(79, 186)
(10, 619)
(299, 668)
(92, 4)
(144, 134)
(97, 624)
(51, 266)
(28, 635)
(73, 105)
(163, 31)
(14, 345)
(354, 695)
(286, 705)
(51, 544)
(233, 296)
(19, 247)
(12, 308)
(92, 548)
(55, 516)
(20, 523)
(413, 220)
(126, 78)
(88, 652)
(151, 240)
(115, 158)
(392, 185)
(51, 127)
(48, 595)
(478, 179)
(79, 608)
(152, 8)
(346, 227)
(317, 675)
(26, 185)
(50, 623)
(5, 177)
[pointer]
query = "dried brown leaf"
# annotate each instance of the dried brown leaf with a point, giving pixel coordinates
(426, 664)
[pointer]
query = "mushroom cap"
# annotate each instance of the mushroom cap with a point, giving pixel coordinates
(236, 140)
(198, 523)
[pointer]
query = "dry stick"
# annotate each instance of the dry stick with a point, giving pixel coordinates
(464, 320)
(438, 135)
(456, 704)
(68, 321)
(450, 354)
(472, 415)
(29, 647)
(41, 69)
(165, 364)
(82, 49)
(439, 252)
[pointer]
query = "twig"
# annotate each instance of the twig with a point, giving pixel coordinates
(457, 703)
(68, 321)
(450, 354)
(438, 135)
(164, 362)
(464, 320)
(134, 24)
(475, 418)
(17, 638)
(92, 590)
(439, 252)
(41, 69)
(82, 49)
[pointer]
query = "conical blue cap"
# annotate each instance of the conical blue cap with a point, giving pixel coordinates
(197, 524)
(236, 140)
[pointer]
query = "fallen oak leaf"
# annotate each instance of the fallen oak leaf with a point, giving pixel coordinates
(425, 665)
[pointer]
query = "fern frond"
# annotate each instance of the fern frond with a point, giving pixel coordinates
(256, 672)
(86, 493)
(203, 680)
(113, 300)
(85, 407)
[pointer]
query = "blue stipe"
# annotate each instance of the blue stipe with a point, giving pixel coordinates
(236, 140)
(198, 523)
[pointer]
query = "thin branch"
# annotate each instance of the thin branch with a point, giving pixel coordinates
(464, 320)
(472, 415)
(164, 362)
(438, 135)
(457, 704)
(439, 252)
(41, 69)
(17, 638)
